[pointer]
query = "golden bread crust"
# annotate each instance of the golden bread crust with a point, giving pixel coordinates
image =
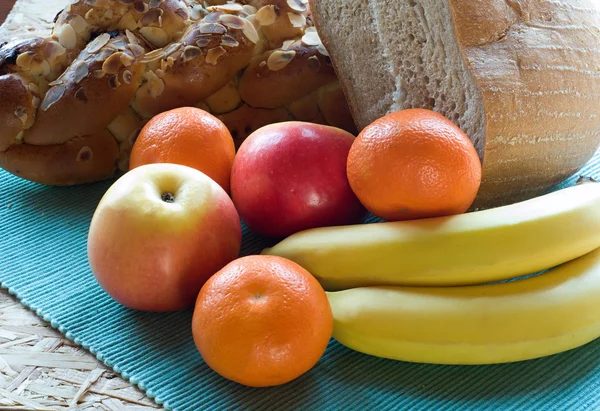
(108, 66)
(91, 84)
(16, 110)
(289, 74)
(89, 158)
(532, 62)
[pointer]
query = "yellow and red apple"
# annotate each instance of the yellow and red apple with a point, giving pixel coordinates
(159, 233)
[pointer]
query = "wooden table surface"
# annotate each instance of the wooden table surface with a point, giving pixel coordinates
(5, 6)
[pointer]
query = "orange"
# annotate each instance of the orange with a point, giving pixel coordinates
(413, 164)
(188, 136)
(262, 321)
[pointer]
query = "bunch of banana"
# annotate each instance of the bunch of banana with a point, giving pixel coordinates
(472, 248)
(395, 300)
(484, 324)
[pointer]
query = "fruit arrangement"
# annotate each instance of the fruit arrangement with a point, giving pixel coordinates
(413, 285)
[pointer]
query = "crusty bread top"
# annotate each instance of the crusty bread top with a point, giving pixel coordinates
(518, 76)
(357, 56)
(537, 64)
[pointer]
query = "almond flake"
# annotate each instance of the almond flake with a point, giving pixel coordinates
(156, 36)
(190, 53)
(91, 15)
(45, 68)
(226, 7)
(81, 71)
(127, 77)
(127, 22)
(231, 21)
(250, 32)
(79, 24)
(153, 56)
(280, 59)
(174, 56)
(127, 59)
(34, 89)
(155, 84)
(229, 41)
(321, 49)
(113, 64)
(196, 12)
(164, 66)
(85, 154)
(120, 44)
(173, 47)
(53, 50)
(212, 28)
(297, 20)
(137, 50)
(98, 43)
(67, 37)
(151, 17)
(286, 44)
(267, 15)
(21, 113)
(296, 5)
(133, 39)
(52, 96)
(248, 9)
(104, 54)
(212, 57)
(203, 41)
(311, 39)
(24, 60)
(212, 17)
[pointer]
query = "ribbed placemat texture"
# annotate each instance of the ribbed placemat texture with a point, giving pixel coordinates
(43, 261)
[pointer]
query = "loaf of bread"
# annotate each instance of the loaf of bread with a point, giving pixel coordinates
(73, 101)
(520, 77)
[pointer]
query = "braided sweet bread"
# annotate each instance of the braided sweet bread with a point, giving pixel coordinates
(73, 102)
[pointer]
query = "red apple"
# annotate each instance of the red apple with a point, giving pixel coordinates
(291, 176)
(159, 233)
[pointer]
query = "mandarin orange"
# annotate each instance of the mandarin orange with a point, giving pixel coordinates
(188, 136)
(412, 164)
(262, 321)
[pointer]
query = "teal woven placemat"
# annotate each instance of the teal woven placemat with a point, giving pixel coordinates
(43, 261)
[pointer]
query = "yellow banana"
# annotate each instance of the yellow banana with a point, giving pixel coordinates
(486, 324)
(472, 248)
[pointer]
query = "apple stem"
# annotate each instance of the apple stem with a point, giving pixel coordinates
(168, 198)
(585, 180)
